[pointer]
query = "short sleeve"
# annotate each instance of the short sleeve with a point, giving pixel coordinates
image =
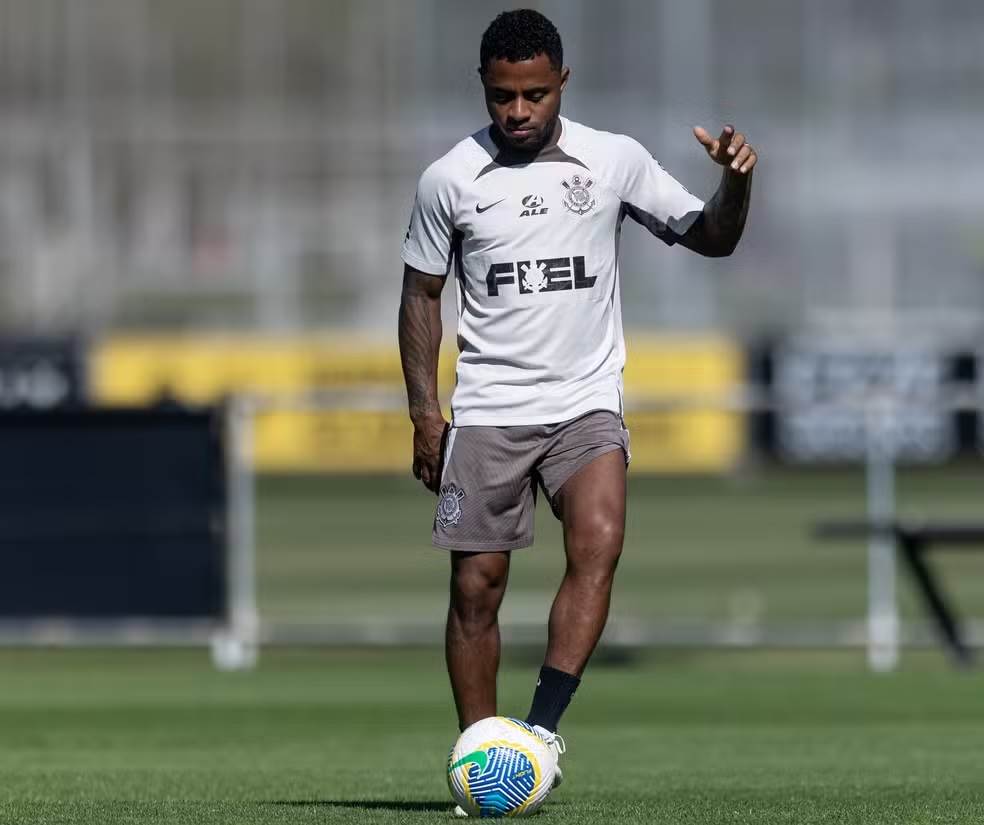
(652, 197)
(427, 245)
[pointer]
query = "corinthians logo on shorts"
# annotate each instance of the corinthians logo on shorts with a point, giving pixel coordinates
(449, 505)
(578, 198)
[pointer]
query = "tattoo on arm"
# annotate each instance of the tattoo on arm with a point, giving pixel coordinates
(718, 229)
(420, 340)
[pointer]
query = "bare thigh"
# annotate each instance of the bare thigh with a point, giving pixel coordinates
(591, 506)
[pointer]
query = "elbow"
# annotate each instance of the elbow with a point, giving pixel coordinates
(725, 245)
(720, 250)
(712, 241)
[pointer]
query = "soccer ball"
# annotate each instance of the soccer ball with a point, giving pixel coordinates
(500, 767)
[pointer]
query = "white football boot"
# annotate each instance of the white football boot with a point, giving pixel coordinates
(459, 812)
(557, 746)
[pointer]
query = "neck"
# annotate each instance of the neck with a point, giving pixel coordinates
(554, 134)
(511, 151)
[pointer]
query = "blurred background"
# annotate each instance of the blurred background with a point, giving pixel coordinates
(243, 164)
(204, 202)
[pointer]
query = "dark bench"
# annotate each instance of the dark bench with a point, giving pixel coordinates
(913, 539)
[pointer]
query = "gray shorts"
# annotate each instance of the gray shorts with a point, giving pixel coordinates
(491, 474)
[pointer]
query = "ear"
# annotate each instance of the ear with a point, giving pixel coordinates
(565, 74)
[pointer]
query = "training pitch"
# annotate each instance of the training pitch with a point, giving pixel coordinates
(362, 736)
(738, 550)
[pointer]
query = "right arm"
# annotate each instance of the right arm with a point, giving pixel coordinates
(427, 252)
(420, 344)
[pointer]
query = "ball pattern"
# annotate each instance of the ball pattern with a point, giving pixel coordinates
(500, 767)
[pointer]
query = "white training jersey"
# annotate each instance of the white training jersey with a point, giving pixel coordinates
(534, 250)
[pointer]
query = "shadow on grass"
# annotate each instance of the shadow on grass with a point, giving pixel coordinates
(371, 804)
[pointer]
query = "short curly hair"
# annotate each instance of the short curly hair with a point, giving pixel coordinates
(521, 35)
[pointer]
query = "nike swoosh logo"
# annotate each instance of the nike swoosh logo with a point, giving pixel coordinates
(479, 757)
(480, 209)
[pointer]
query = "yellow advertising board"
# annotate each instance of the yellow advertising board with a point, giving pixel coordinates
(142, 369)
(203, 369)
(376, 437)
(687, 438)
(334, 440)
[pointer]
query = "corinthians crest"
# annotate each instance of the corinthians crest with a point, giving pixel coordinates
(534, 278)
(578, 198)
(449, 505)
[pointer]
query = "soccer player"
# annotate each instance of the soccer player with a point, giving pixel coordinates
(526, 214)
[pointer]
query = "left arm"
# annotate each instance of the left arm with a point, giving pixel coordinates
(718, 229)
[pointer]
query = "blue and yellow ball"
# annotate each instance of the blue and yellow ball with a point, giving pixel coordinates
(500, 767)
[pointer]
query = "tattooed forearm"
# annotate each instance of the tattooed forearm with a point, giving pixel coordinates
(718, 229)
(420, 341)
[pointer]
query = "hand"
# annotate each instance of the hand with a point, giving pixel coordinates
(729, 150)
(428, 438)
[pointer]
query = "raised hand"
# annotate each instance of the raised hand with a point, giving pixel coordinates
(730, 149)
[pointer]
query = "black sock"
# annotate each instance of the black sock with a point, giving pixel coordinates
(554, 691)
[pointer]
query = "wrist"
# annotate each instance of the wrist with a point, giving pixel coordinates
(735, 181)
(424, 411)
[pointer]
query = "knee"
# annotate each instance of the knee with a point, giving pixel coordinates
(596, 548)
(476, 594)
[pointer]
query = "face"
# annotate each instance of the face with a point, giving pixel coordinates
(523, 100)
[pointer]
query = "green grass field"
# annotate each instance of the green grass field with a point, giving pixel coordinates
(696, 549)
(361, 737)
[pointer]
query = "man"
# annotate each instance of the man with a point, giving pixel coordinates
(527, 213)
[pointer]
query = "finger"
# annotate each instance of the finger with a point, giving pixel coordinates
(704, 137)
(431, 479)
(430, 474)
(749, 164)
(416, 469)
(743, 154)
(737, 141)
(726, 134)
